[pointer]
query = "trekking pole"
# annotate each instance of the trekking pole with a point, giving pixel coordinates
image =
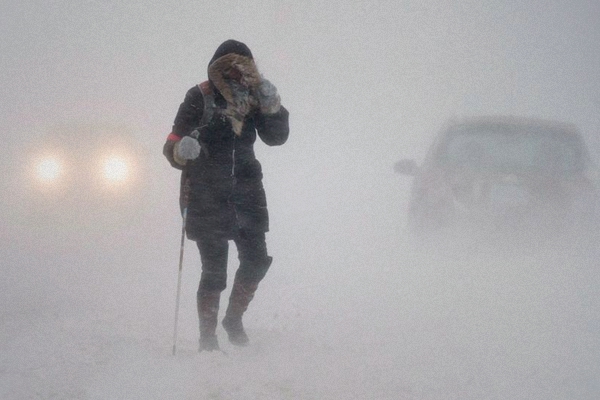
(186, 190)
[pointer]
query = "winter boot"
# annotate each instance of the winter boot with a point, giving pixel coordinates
(241, 295)
(208, 310)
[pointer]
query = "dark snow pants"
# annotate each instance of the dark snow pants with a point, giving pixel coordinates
(252, 253)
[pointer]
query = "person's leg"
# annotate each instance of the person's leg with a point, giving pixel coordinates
(213, 280)
(254, 263)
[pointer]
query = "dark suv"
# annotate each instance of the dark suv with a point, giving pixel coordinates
(504, 174)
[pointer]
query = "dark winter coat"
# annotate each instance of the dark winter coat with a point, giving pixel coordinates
(226, 191)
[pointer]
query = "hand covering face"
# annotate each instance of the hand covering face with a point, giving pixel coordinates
(239, 82)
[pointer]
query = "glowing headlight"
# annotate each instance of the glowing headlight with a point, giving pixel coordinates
(49, 170)
(115, 169)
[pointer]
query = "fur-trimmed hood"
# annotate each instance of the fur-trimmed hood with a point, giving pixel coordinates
(244, 93)
(233, 63)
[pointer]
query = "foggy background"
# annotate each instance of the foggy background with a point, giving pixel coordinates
(348, 309)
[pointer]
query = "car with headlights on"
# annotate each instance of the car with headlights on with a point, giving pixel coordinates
(77, 178)
(512, 175)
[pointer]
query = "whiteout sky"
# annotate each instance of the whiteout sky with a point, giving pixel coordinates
(88, 313)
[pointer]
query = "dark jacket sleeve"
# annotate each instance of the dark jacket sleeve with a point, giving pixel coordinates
(168, 153)
(190, 112)
(187, 119)
(273, 129)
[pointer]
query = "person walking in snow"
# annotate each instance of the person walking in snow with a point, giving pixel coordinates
(212, 143)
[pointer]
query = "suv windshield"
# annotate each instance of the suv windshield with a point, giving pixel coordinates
(517, 148)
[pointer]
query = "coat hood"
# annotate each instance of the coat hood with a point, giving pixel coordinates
(231, 46)
(233, 57)
(232, 54)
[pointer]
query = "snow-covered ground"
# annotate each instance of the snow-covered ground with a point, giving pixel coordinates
(382, 321)
(349, 310)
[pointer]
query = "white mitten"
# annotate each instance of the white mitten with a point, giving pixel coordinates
(187, 148)
(269, 99)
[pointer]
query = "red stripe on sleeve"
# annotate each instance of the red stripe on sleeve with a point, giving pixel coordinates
(173, 137)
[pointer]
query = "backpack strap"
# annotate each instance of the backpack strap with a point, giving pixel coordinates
(205, 87)
(208, 98)
(209, 102)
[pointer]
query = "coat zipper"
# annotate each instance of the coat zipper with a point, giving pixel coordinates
(234, 182)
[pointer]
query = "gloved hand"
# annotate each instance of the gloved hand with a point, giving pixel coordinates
(187, 148)
(269, 99)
